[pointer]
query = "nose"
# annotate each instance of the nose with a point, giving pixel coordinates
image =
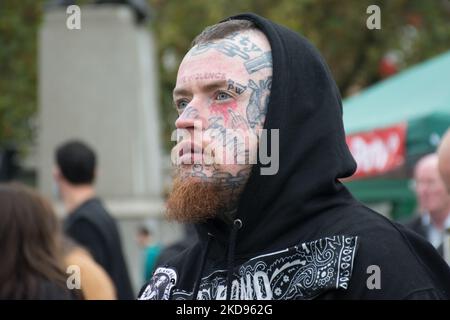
(189, 119)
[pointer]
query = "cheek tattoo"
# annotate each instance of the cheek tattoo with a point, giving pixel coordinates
(221, 109)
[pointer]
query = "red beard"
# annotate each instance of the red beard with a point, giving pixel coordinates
(193, 200)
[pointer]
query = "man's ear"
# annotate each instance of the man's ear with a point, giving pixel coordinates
(57, 174)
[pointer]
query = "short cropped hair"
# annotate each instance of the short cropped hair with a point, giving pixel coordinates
(76, 162)
(222, 30)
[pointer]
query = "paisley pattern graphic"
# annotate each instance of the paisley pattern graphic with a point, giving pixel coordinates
(301, 272)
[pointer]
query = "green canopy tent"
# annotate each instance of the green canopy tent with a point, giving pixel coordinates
(417, 101)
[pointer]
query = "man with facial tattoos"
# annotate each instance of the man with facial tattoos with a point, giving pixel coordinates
(284, 226)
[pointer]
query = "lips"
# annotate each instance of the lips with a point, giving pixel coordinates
(189, 153)
(189, 147)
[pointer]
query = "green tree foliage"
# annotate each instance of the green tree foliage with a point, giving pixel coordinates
(19, 21)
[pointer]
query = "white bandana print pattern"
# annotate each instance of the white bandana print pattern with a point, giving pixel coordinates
(300, 272)
(162, 282)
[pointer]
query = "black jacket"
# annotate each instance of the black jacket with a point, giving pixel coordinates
(303, 235)
(92, 226)
(417, 226)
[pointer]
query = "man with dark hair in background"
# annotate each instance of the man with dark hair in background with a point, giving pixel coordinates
(88, 222)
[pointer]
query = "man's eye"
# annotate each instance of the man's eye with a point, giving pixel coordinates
(223, 96)
(182, 104)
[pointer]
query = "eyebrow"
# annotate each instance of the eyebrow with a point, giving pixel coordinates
(211, 86)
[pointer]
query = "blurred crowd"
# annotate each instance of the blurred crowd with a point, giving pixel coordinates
(80, 257)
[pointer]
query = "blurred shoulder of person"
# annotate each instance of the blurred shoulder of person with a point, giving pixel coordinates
(95, 282)
(31, 258)
(88, 222)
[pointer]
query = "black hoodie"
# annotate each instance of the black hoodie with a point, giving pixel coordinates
(299, 234)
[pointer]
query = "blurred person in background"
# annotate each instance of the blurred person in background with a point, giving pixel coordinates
(433, 201)
(151, 250)
(31, 257)
(171, 251)
(88, 222)
(444, 159)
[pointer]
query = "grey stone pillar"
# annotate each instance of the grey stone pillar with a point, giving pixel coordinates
(99, 84)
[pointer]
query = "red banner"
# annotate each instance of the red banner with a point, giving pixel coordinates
(378, 151)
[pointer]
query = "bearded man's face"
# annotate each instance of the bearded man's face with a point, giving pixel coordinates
(221, 96)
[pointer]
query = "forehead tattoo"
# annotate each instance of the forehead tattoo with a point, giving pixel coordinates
(237, 45)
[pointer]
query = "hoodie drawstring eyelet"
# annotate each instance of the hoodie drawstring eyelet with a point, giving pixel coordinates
(237, 224)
